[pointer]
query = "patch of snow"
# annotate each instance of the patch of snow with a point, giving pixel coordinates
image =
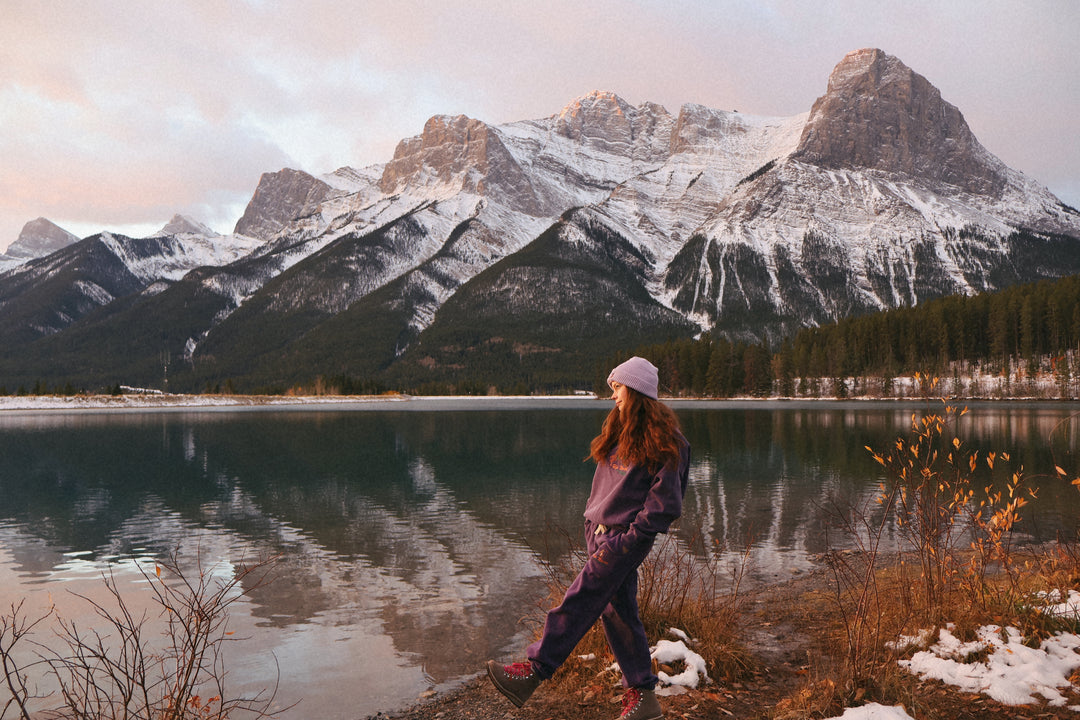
(351, 179)
(1067, 608)
(99, 295)
(668, 651)
(875, 711)
(1012, 672)
(919, 640)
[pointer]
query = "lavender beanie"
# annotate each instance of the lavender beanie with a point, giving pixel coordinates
(637, 373)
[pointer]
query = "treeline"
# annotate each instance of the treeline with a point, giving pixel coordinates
(1015, 342)
(706, 367)
(41, 388)
(1025, 329)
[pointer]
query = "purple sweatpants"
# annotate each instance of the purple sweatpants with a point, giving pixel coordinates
(605, 588)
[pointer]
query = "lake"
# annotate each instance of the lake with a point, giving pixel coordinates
(412, 537)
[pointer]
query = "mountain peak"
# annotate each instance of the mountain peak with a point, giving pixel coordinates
(38, 238)
(280, 198)
(597, 114)
(871, 62)
(878, 113)
(449, 147)
(183, 225)
(463, 154)
(606, 122)
(595, 102)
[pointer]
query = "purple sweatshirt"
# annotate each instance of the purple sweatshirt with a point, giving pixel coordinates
(631, 495)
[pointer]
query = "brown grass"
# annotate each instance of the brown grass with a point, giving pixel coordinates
(680, 586)
(957, 564)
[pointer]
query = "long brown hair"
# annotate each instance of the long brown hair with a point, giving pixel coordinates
(646, 433)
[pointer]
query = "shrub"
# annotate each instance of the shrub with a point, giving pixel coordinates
(117, 670)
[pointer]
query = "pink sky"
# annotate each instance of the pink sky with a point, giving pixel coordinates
(117, 115)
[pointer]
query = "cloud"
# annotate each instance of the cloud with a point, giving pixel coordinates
(123, 113)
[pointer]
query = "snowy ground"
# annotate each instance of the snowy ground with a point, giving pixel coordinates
(874, 711)
(997, 664)
(667, 652)
(968, 383)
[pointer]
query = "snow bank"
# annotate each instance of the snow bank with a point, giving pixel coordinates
(1012, 673)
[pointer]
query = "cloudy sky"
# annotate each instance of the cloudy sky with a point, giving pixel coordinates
(117, 115)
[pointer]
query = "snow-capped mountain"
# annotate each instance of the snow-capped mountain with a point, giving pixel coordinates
(38, 238)
(544, 244)
(183, 225)
(887, 200)
(43, 296)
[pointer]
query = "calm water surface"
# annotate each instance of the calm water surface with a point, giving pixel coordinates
(413, 536)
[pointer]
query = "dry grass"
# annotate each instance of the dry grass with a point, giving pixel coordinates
(831, 684)
(957, 565)
(680, 586)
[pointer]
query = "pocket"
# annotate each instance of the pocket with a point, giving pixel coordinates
(627, 542)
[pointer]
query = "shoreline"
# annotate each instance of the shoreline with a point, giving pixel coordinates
(160, 402)
(12, 405)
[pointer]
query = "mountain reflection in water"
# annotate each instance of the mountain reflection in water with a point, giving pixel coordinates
(411, 543)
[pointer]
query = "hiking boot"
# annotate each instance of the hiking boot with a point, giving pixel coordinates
(639, 704)
(516, 681)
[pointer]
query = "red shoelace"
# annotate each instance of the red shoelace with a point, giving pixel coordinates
(519, 670)
(630, 701)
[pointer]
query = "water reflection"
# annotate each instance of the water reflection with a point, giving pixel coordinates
(411, 543)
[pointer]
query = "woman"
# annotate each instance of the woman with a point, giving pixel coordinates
(637, 491)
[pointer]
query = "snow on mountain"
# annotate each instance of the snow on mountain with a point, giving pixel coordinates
(713, 151)
(752, 227)
(43, 296)
(737, 215)
(352, 180)
(508, 182)
(37, 239)
(886, 175)
(171, 256)
(182, 225)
